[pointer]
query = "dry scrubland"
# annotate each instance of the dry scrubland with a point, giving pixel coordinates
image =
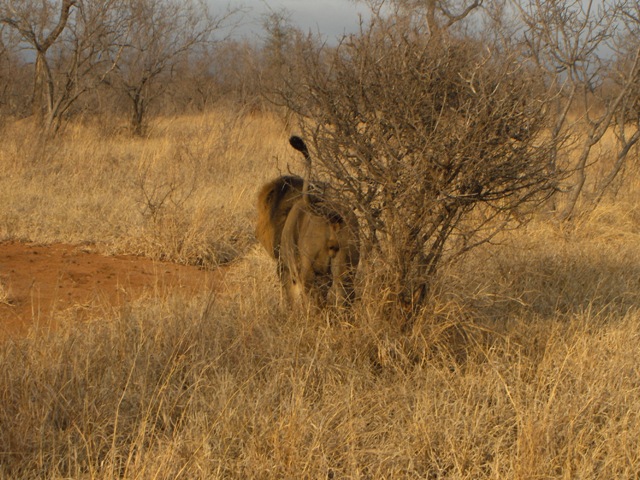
(526, 365)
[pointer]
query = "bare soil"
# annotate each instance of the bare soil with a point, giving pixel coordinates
(39, 283)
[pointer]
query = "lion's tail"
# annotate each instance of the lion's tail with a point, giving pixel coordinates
(297, 143)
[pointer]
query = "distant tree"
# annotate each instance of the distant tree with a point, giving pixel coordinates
(15, 76)
(281, 37)
(68, 39)
(31, 21)
(196, 88)
(439, 15)
(237, 71)
(158, 38)
(576, 46)
(624, 76)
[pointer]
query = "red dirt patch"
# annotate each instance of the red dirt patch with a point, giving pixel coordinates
(38, 281)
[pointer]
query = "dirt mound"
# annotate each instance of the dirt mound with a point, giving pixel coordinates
(38, 282)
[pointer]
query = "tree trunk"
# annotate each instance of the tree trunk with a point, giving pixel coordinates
(39, 100)
(137, 117)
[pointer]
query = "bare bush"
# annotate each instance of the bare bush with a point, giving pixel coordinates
(438, 142)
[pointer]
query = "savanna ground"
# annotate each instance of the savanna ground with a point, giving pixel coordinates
(524, 366)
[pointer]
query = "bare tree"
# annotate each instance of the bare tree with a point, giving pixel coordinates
(32, 21)
(572, 44)
(436, 141)
(159, 37)
(237, 75)
(68, 39)
(624, 76)
(280, 38)
(439, 15)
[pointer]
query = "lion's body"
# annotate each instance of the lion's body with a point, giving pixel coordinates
(318, 257)
(314, 243)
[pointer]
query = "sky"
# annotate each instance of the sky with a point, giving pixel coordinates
(331, 18)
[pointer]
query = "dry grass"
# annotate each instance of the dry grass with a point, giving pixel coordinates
(181, 194)
(526, 365)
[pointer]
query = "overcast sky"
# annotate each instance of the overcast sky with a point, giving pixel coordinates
(331, 18)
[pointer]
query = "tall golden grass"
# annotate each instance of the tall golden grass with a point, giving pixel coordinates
(526, 365)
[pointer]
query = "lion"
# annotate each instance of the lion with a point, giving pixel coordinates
(315, 242)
